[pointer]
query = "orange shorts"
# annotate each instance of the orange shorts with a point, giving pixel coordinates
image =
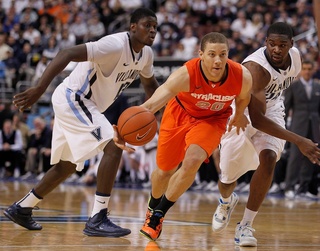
(178, 130)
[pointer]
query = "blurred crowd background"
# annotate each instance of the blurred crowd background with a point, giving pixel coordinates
(33, 31)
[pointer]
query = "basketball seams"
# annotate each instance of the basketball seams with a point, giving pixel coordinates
(129, 118)
(137, 125)
(138, 128)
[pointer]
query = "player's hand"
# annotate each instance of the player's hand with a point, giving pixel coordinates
(240, 122)
(119, 142)
(310, 150)
(26, 99)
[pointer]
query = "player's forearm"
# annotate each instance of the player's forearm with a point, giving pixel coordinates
(241, 105)
(268, 126)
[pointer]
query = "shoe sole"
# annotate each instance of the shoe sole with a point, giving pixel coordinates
(91, 232)
(145, 234)
(246, 244)
(10, 217)
(229, 216)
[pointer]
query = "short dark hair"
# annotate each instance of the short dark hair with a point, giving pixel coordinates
(141, 13)
(280, 28)
(307, 61)
(213, 37)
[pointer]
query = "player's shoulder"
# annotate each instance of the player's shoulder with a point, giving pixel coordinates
(148, 50)
(117, 40)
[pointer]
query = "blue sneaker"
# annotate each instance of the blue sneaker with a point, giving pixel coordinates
(101, 225)
(22, 216)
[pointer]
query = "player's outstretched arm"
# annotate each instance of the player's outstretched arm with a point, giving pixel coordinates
(177, 82)
(266, 125)
(27, 98)
(239, 120)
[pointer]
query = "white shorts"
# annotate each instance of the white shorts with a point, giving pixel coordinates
(80, 131)
(240, 153)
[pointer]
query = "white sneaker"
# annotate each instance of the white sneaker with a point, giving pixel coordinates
(223, 212)
(27, 175)
(244, 236)
(245, 189)
(311, 196)
(200, 186)
(289, 195)
(40, 176)
(275, 188)
(210, 185)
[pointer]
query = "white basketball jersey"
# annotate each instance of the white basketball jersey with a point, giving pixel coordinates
(111, 67)
(280, 79)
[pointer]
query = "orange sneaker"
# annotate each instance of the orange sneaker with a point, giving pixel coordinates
(148, 216)
(153, 226)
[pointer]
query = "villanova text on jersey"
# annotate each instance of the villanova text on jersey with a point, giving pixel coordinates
(274, 90)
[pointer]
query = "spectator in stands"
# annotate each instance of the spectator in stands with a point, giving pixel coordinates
(79, 28)
(302, 98)
(6, 112)
(127, 5)
(4, 47)
(41, 66)
(28, 15)
(52, 48)
(66, 39)
(190, 42)
(36, 51)
(10, 148)
(10, 20)
(45, 154)
(19, 124)
(96, 28)
(38, 140)
(30, 33)
(3, 70)
(11, 69)
(198, 7)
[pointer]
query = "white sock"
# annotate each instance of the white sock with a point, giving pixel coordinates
(248, 217)
(225, 200)
(30, 200)
(100, 202)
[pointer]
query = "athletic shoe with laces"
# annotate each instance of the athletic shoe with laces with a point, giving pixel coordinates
(223, 212)
(148, 216)
(22, 216)
(101, 225)
(244, 236)
(153, 226)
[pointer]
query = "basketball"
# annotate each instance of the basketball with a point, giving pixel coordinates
(137, 126)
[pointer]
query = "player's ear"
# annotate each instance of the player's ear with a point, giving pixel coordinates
(292, 43)
(133, 27)
(200, 52)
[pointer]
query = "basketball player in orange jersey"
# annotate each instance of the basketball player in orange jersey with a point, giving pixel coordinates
(199, 95)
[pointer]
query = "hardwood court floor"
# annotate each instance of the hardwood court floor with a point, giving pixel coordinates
(280, 225)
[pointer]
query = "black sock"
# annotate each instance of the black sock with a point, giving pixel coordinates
(153, 202)
(164, 205)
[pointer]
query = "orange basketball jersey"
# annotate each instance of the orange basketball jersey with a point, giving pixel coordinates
(205, 98)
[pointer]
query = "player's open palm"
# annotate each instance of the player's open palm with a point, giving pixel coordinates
(310, 150)
(240, 122)
(119, 142)
(26, 99)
